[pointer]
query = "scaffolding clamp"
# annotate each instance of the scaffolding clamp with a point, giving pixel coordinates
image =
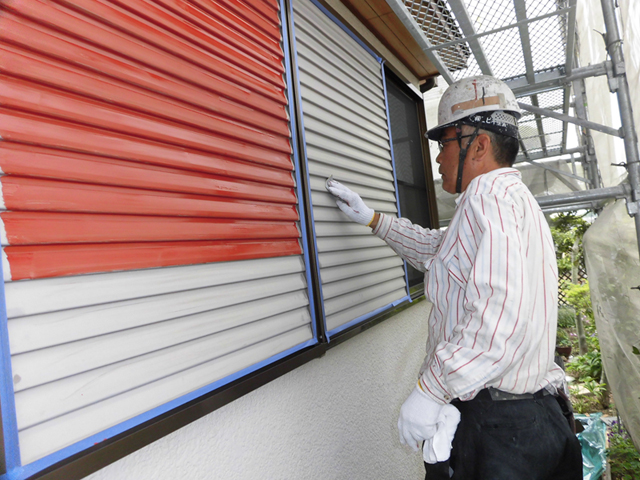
(633, 207)
(612, 78)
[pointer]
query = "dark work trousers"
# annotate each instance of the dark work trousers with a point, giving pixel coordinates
(511, 440)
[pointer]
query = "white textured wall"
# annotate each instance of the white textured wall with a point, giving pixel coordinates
(602, 105)
(333, 418)
(592, 51)
(630, 17)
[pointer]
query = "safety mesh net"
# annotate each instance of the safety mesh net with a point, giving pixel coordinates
(510, 40)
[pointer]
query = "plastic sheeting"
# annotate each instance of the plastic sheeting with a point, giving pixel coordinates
(611, 253)
(593, 440)
(539, 180)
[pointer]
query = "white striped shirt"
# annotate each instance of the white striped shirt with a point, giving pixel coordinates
(493, 280)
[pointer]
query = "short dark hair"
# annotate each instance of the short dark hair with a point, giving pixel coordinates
(505, 148)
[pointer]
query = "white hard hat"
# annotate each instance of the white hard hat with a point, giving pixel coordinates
(477, 100)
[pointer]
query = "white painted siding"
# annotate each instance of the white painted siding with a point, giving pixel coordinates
(89, 352)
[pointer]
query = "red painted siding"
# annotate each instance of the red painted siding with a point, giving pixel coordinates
(27, 228)
(140, 134)
(36, 195)
(36, 261)
(37, 68)
(32, 161)
(29, 35)
(31, 129)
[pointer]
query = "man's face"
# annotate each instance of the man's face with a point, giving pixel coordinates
(448, 160)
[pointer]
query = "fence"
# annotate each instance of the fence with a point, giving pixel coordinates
(566, 277)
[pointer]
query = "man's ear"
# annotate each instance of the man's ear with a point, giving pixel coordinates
(482, 147)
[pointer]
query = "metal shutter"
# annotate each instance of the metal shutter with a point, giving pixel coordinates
(142, 141)
(347, 136)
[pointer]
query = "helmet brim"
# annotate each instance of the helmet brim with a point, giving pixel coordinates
(436, 132)
(508, 128)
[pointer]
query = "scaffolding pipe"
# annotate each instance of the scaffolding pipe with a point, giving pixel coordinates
(619, 191)
(590, 154)
(559, 172)
(553, 154)
(573, 207)
(554, 79)
(567, 118)
(614, 48)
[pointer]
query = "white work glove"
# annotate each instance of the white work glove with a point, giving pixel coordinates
(438, 448)
(350, 202)
(418, 419)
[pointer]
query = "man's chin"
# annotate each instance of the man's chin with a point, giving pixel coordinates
(448, 189)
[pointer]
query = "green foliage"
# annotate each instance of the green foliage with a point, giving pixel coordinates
(579, 297)
(624, 460)
(569, 222)
(593, 343)
(566, 317)
(567, 229)
(585, 404)
(562, 338)
(597, 388)
(586, 367)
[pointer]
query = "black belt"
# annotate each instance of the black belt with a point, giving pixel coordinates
(496, 395)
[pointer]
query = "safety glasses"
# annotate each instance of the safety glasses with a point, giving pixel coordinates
(442, 141)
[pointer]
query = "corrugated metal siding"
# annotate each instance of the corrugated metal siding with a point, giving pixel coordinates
(137, 135)
(346, 130)
(139, 84)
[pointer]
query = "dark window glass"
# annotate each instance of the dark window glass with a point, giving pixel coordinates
(408, 156)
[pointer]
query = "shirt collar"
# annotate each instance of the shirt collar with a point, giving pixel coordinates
(488, 177)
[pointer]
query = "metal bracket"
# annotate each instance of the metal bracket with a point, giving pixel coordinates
(633, 208)
(612, 79)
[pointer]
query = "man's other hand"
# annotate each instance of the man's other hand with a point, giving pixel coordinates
(438, 448)
(418, 419)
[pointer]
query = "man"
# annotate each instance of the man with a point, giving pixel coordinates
(492, 278)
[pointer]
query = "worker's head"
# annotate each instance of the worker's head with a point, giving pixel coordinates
(478, 116)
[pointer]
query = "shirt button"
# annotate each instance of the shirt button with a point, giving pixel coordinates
(447, 398)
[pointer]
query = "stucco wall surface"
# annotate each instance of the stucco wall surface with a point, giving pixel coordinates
(592, 51)
(630, 17)
(602, 105)
(333, 418)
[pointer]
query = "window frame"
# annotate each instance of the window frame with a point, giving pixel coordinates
(353, 325)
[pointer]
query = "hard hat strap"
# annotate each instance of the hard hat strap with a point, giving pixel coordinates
(463, 153)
